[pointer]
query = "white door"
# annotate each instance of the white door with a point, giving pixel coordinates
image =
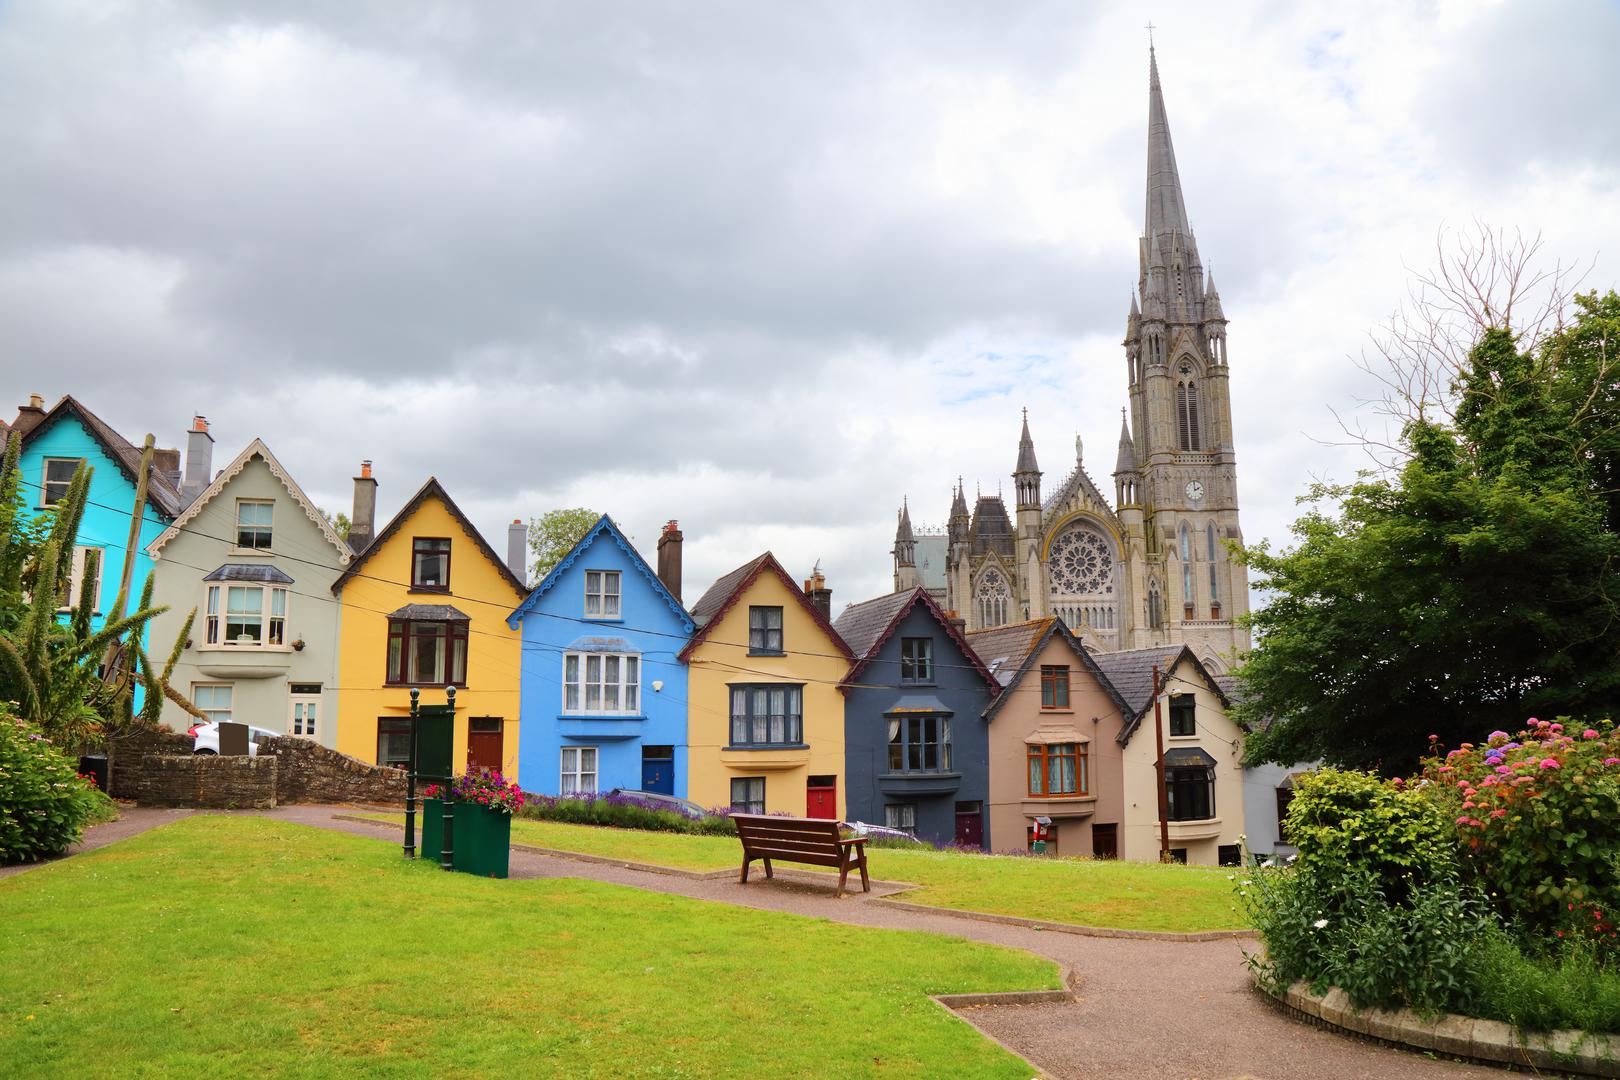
(306, 710)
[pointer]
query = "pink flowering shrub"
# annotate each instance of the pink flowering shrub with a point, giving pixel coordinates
(481, 789)
(1537, 820)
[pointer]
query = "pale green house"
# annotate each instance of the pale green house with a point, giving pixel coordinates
(256, 559)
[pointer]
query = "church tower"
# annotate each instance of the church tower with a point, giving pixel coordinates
(1027, 485)
(905, 552)
(1182, 460)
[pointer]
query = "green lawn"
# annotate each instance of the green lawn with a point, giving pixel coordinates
(1085, 892)
(226, 945)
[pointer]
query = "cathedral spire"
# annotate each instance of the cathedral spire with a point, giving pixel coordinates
(1026, 450)
(1166, 210)
(1126, 462)
(1027, 475)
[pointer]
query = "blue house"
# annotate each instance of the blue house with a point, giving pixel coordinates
(54, 444)
(917, 751)
(604, 697)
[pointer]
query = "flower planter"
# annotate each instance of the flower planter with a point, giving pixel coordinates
(481, 843)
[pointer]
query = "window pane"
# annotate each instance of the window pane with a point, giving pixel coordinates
(593, 682)
(570, 681)
(1037, 770)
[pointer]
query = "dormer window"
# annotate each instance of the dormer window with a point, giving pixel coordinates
(602, 594)
(58, 475)
(253, 524)
(430, 564)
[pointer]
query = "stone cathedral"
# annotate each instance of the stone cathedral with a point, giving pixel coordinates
(1151, 569)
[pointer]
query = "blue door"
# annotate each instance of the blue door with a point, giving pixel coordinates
(658, 769)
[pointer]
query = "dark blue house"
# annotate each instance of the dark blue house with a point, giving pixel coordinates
(604, 697)
(916, 747)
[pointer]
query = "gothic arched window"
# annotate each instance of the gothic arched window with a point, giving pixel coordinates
(1214, 574)
(1188, 432)
(1155, 606)
(993, 597)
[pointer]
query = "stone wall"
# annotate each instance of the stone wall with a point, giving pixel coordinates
(307, 772)
(207, 781)
(151, 768)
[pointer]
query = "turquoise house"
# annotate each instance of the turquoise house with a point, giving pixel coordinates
(54, 443)
(603, 695)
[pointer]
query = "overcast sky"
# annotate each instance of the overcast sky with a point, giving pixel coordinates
(765, 268)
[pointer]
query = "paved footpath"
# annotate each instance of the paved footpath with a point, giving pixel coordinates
(1147, 1009)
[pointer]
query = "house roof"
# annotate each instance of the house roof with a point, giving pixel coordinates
(1131, 672)
(159, 492)
(604, 525)
(261, 573)
(1017, 647)
(258, 449)
(866, 627)
(434, 490)
(724, 593)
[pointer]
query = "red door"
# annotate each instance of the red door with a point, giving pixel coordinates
(485, 744)
(821, 797)
(970, 824)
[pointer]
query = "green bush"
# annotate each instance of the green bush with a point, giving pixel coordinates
(44, 805)
(1533, 816)
(1350, 822)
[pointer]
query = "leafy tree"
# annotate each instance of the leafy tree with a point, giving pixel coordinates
(1475, 586)
(1583, 363)
(553, 535)
(340, 523)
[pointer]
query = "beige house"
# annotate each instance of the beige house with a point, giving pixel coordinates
(1055, 751)
(1203, 757)
(255, 559)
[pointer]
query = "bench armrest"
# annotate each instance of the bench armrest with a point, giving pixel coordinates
(853, 840)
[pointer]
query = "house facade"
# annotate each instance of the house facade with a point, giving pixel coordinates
(1052, 742)
(54, 443)
(255, 560)
(765, 715)
(423, 606)
(916, 746)
(604, 697)
(1203, 757)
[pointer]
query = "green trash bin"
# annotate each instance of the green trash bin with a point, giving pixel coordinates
(482, 840)
(432, 821)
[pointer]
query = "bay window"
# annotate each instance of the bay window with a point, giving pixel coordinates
(245, 616)
(423, 652)
(770, 715)
(1191, 791)
(601, 682)
(1058, 769)
(919, 744)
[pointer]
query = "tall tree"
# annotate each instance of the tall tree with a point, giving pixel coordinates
(553, 534)
(1474, 586)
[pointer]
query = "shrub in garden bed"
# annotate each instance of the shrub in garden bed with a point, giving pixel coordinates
(1486, 885)
(44, 802)
(626, 812)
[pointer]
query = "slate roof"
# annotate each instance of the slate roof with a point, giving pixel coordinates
(1003, 649)
(870, 624)
(729, 589)
(430, 489)
(259, 573)
(159, 492)
(1131, 672)
(430, 613)
(715, 597)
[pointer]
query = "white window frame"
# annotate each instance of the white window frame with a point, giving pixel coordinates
(76, 577)
(212, 711)
(237, 538)
(311, 719)
(601, 601)
(574, 772)
(585, 680)
(46, 483)
(216, 616)
(896, 815)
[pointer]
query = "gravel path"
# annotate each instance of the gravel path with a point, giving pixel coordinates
(1147, 1009)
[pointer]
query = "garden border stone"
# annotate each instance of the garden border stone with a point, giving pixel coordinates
(1490, 1041)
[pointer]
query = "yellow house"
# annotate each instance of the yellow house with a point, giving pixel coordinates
(424, 606)
(765, 715)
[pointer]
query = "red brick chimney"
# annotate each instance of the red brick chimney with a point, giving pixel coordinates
(669, 558)
(821, 596)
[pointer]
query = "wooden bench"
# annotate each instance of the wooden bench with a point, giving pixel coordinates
(813, 841)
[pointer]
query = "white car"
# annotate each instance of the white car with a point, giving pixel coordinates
(206, 738)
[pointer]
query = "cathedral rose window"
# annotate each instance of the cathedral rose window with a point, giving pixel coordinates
(1080, 564)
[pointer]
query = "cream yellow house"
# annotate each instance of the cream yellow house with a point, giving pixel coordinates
(765, 715)
(1203, 757)
(423, 606)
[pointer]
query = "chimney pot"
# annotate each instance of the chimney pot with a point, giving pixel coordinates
(199, 459)
(365, 469)
(35, 401)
